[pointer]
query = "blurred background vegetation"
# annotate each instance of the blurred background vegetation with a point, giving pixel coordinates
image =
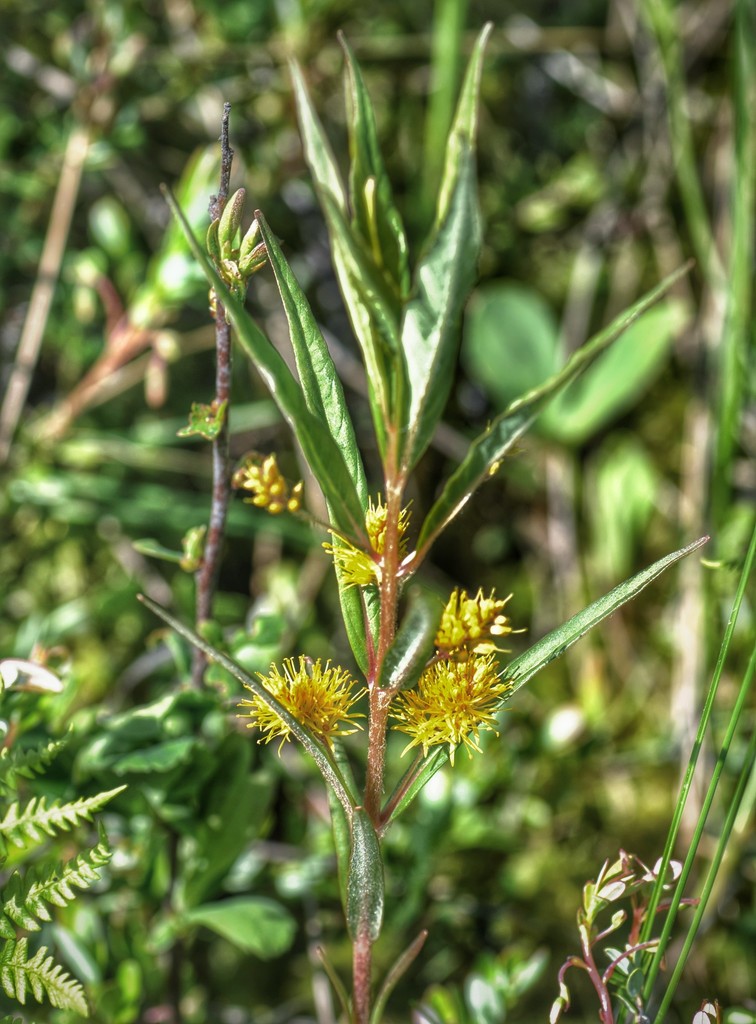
(616, 141)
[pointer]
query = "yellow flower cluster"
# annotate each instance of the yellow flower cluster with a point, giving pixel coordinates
(358, 567)
(459, 693)
(270, 490)
(453, 701)
(472, 623)
(319, 696)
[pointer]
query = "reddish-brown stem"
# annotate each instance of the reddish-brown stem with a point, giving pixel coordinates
(207, 576)
(380, 700)
(361, 974)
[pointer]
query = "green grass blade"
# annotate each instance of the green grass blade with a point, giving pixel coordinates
(746, 772)
(499, 437)
(687, 782)
(312, 745)
(320, 450)
(738, 329)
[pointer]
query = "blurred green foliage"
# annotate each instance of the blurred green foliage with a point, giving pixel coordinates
(214, 845)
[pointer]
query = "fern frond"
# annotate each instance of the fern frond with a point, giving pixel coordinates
(24, 899)
(36, 820)
(26, 764)
(41, 975)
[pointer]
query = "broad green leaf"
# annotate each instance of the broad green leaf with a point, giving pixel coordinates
(253, 924)
(312, 745)
(414, 641)
(374, 215)
(444, 276)
(510, 342)
(320, 382)
(365, 886)
(485, 452)
(320, 450)
(623, 483)
(546, 650)
(236, 803)
(613, 384)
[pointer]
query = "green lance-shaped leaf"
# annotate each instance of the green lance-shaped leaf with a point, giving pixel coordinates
(495, 442)
(552, 646)
(371, 307)
(374, 215)
(340, 829)
(324, 396)
(555, 643)
(320, 382)
(414, 642)
(318, 152)
(312, 745)
(365, 884)
(319, 448)
(445, 275)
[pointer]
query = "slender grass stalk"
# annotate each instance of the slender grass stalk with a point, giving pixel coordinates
(655, 965)
(738, 325)
(732, 812)
(662, 17)
(207, 576)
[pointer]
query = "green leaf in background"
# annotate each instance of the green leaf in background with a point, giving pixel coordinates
(486, 450)
(252, 923)
(320, 450)
(511, 345)
(615, 383)
(510, 341)
(365, 885)
(173, 275)
(374, 215)
(623, 483)
(444, 276)
(414, 641)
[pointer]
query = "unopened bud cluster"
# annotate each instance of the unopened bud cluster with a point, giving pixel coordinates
(236, 261)
(269, 488)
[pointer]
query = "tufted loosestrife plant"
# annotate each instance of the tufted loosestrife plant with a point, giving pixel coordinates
(431, 671)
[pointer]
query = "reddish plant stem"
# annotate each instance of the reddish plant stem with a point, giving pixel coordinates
(207, 576)
(361, 973)
(380, 700)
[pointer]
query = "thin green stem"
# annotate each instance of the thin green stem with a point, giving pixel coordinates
(732, 812)
(687, 782)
